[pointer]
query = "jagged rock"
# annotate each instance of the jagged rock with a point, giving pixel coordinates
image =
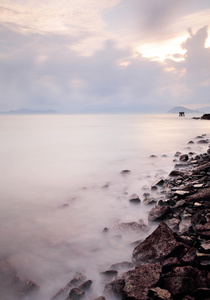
(133, 226)
(28, 287)
(149, 200)
(184, 157)
(176, 173)
(134, 199)
(140, 280)
(111, 274)
(178, 286)
(159, 294)
(201, 168)
(200, 195)
(158, 246)
(75, 282)
(203, 141)
(86, 285)
(76, 294)
(189, 257)
(158, 212)
(203, 230)
(114, 288)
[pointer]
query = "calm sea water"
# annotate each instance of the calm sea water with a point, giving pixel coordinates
(61, 185)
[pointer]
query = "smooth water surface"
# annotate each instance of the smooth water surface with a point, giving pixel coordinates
(61, 184)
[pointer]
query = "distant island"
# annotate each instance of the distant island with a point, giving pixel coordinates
(178, 109)
(25, 111)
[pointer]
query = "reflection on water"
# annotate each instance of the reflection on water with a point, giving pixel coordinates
(61, 184)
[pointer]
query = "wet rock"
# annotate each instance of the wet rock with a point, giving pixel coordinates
(199, 169)
(160, 182)
(159, 294)
(202, 293)
(133, 226)
(158, 246)
(203, 230)
(111, 274)
(174, 224)
(114, 288)
(28, 287)
(125, 172)
(86, 285)
(176, 173)
(190, 142)
(122, 265)
(178, 286)
(203, 142)
(200, 195)
(140, 280)
(158, 213)
(202, 279)
(205, 246)
(75, 282)
(149, 200)
(190, 257)
(177, 154)
(205, 117)
(184, 157)
(153, 156)
(76, 294)
(134, 198)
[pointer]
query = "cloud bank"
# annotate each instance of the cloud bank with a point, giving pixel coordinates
(90, 63)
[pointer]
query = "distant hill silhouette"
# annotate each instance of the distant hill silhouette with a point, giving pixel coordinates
(177, 109)
(25, 111)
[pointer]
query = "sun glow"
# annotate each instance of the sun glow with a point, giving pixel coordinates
(164, 50)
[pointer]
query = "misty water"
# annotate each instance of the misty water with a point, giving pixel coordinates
(61, 185)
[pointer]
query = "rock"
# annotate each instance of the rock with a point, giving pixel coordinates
(199, 169)
(114, 288)
(205, 117)
(158, 246)
(191, 142)
(149, 200)
(86, 285)
(158, 213)
(75, 282)
(184, 157)
(110, 274)
(133, 226)
(160, 182)
(140, 280)
(28, 287)
(159, 294)
(176, 173)
(178, 286)
(203, 230)
(100, 298)
(125, 172)
(202, 293)
(122, 265)
(76, 294)
(203, 142)
(200, 195)
(189, 257)
(177, 154)
(134, 199)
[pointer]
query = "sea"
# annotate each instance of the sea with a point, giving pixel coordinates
(62, 184)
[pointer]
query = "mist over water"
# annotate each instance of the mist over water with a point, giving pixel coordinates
(61, 184)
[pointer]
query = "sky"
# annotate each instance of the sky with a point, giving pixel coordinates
(104, 56)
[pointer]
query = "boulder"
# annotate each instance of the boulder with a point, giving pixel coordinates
(76, 294)
(114, 288)
(184, 157)
(178, 286)
(140, 280)
(158, 246)
(134, 199)
(158, 212)
(205, 117)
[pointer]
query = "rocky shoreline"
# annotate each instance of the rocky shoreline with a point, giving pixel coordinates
(173, 262)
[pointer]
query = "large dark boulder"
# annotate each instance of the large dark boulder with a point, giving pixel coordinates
(158, 246)
(114, 288)
(205, 117)
(140, 280)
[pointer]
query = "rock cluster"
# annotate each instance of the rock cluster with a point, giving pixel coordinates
(174, 261)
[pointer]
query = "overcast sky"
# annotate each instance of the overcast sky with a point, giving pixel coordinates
(83, 56)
